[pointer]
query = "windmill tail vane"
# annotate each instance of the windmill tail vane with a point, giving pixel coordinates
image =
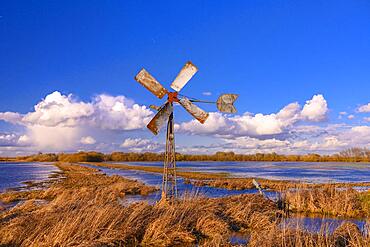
(165, 114)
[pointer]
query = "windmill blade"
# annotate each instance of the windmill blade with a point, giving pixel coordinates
(225, 103)
(160, 118)
(184, 76)
(150, 83)
(194, 110)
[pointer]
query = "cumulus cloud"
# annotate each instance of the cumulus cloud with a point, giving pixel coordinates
(11, 117)
(315, 109)
(258, 125)
(87, 140)
(14, 140)
(364, 108)
(350, 117)
(59, 121)
(104, 111)
(119, 113)
(59, 110)
(367, 119)
(140, 144)
(7, 139)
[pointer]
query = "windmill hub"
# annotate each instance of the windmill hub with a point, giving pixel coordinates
(165, 114)
(172, 97)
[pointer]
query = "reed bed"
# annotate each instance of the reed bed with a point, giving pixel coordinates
(346, 235)
(328, 200)
(83, 209)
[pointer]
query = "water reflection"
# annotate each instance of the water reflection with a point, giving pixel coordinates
(13, 174)
(316, 172)
(155, 179)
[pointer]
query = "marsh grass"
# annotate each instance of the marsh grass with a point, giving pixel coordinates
(83, 210)
(328, 200)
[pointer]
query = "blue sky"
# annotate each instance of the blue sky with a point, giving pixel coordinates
(272, 53)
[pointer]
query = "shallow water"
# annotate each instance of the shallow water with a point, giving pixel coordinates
(316, 223)
(315, 172)
(155, 179)
(13, 174)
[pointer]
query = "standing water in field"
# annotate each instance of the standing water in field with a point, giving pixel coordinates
(13, 174)
(314, 172)
(155, 179)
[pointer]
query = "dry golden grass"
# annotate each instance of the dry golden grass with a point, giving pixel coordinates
(329, 200)
(346, 235)
(83, 210)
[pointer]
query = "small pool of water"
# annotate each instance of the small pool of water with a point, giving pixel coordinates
(316, 223)
(13, 174)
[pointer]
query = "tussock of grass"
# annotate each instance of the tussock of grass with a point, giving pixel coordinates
(329, 200)
(346, 235)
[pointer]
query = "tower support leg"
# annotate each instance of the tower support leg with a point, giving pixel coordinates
(169, 186)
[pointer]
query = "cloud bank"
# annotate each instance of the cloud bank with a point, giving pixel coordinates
(61, 122)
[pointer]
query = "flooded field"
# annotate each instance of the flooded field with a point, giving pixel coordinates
(155, 179)
(315, 172)
(13, 174)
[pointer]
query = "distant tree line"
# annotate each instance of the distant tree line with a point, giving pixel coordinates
(348, 155)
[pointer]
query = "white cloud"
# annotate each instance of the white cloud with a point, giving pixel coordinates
(59, 110)
(361, 130)
(64, 123)
(350, 117)
(54, 138)
(11, 117)
(315, 109)
(24, 140)
(139, 145)
(119, 113)
(364, 108)
(14, 140)
(87, 140)
(367, 119)
(258, 124)
(59, 121)
(207, 93)
(104, 111)
(8, 139)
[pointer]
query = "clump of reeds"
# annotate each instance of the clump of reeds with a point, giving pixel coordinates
(277, 235)
(326, 200)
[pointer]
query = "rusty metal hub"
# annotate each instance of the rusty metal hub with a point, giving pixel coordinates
(172, 97)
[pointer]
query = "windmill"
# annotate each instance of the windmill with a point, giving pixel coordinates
(165, 114)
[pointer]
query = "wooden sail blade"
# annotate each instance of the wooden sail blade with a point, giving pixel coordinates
(160, 118)
(194, 110)
(186, 73)
(225, 103)
(150, 83)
